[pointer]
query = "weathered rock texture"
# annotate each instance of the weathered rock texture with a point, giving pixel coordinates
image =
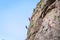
(45, 21)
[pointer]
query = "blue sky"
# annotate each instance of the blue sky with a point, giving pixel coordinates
(14, 16)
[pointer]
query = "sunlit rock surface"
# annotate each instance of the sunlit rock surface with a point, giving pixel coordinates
(45, 21)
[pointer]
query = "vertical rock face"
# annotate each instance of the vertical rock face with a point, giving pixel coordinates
(45, 21)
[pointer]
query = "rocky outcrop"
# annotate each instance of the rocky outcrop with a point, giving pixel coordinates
(45, 21)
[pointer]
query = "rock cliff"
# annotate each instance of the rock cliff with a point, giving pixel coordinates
(45, 21)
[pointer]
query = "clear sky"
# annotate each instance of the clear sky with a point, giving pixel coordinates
(14, 16)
